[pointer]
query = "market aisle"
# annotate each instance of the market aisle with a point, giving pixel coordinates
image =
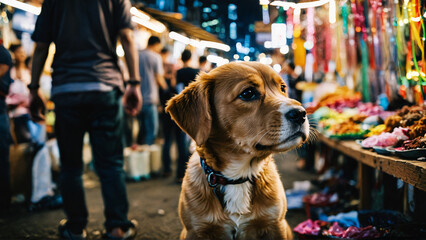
(153, 203)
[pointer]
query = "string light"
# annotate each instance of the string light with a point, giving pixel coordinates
(299, 5)
(332, 12)
(136, 12)
(23, 6)
(153, 25)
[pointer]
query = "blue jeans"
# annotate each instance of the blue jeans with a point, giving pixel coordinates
(172, 130)
(148, 122)
(100, 114)
(5, 141)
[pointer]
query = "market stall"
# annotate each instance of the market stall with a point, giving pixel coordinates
(362, 65)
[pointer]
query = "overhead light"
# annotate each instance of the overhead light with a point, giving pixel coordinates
(139, 14)
(236, 56)
(216, 59)
(332, 12)
(278, 34)
(277, 68)
(216, 45)
(267, 44)
(241, 49)
(284, 49)
(246, 58)
(153, 25)
(179, 37)
(263, 2)
(308, 45)
(23, 6)
(287, 5)
(196, 43)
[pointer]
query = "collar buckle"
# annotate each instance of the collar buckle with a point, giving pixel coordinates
(212, 179)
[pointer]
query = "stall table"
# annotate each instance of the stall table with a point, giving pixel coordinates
(410, 171)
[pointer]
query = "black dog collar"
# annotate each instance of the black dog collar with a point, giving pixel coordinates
(217, 179)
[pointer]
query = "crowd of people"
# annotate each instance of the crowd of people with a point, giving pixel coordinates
(90, 96)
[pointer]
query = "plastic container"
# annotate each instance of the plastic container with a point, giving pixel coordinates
(137, 163)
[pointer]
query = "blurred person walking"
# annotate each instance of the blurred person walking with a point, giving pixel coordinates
(26, 131)
(86, 88)
(184, 77)
(5, 139)
(152, 75)
(170, 129)
(19, 95)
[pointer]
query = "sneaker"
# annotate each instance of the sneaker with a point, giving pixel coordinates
(65, 233)
(129, 234)
(47, 202)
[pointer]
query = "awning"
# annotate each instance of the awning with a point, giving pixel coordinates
(177, 25)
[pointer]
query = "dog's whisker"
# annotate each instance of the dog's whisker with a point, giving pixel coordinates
(261, 137)
(313, 135)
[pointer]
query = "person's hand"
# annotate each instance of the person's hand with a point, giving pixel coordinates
(132, 100)
(37, 106)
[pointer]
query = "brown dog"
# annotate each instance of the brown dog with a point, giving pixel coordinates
(238, 114)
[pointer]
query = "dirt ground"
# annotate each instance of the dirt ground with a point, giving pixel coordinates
(153, 203)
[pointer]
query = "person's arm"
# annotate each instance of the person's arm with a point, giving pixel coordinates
(3, 70)
(159, 74)
(131, 55)
(39, 59)
(161, 81)
(132, 99)
(37, 105)
(173, 78)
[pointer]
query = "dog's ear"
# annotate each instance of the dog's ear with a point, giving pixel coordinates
(191, 111)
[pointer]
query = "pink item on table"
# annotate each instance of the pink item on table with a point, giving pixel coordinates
(308, 227)
(336, 230)
(386, 139)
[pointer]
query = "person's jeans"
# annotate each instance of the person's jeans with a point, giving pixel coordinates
(148, 122)
(99, 113)
(5, 141)
(172, 130)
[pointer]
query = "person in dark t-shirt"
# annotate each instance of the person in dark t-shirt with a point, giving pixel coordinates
(186, 74)
(184, 77)
(86, 88)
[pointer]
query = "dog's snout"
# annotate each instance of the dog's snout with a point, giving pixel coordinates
(296, 115)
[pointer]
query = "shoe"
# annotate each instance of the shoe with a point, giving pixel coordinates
(65, 233)
(47, 202)
(129, 234)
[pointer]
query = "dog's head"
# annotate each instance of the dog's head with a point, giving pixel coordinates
(243, 105)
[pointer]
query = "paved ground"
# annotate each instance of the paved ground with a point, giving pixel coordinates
(153, 203)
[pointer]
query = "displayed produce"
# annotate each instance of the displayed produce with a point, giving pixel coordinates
(386, 139)
(324, 229)
(418, 142)
(350, 123)
(413, 118)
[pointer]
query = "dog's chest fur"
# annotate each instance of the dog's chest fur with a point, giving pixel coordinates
(238, 197)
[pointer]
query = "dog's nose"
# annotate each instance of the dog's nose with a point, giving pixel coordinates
(296, 115)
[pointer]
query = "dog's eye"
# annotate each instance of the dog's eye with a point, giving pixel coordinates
(283, 88)
(249, 94)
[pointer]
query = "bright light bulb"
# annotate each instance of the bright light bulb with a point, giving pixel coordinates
(284, 49)
(277, 68)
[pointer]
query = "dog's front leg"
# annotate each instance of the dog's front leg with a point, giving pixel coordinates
(211, 232)
(266, 231)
